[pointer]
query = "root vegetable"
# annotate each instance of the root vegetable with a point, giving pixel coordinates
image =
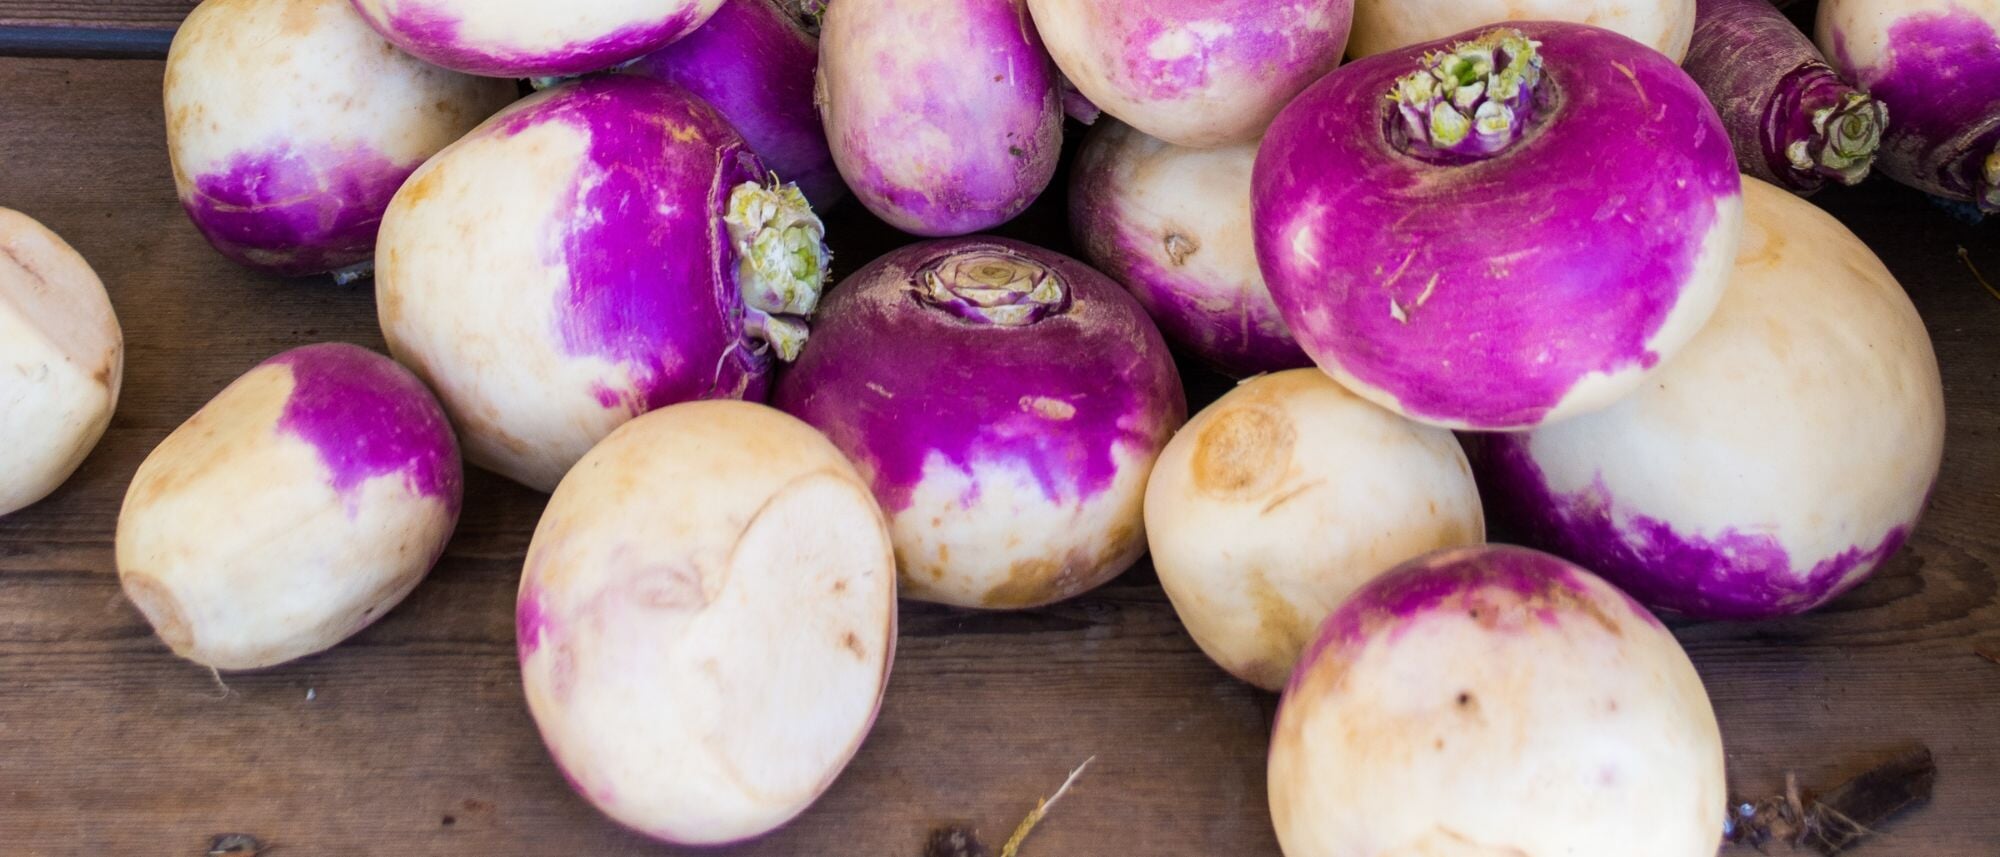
(533, 38)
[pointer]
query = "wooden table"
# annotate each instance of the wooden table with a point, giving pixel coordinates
(412, 739)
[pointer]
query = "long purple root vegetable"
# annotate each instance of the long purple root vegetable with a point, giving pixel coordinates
(1791, 118)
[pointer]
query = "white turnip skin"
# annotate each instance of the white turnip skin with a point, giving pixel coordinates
(534, 38)
(1282, 498)
(296, 507)
(1172, 225)
(706, 621)
(1778, 461)
(290, 124)
(1196, 73)
(62, 359)
(1490, 701)
(1666, 26)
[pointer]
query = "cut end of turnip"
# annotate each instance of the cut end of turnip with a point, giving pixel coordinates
(1845, 138)
(781, 262)
(1472, 101)
(993, 285)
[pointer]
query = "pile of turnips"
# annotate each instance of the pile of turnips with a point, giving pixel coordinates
(1527, 221)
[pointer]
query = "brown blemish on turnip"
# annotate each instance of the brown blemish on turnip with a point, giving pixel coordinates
(1029, 583)
(852, 643)
(1243, 452)
(1054, 410)
(161, 610)
(1295, 493)
(1179, 247)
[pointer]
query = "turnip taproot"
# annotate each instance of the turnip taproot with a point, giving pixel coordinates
(1006, 404)
(706, 621)
(1387, 25)
(533, 38)
(62, 360)
(1285, 496)
(753, 62)
(296, 507)
(943, 115)
(1495, 701)
(1172, 225)
(1496, 232)
(1781, 458)
(1792, 119)
(1195, 73)
(290, 124)
(1936, 64)
(597, 250)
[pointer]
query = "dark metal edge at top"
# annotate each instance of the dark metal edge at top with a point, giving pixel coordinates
(22, 40)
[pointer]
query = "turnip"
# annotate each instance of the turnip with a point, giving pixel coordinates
(534, 38)
(1194, 73)
(596, 251)
(1285, 496)
(62, 359)
(943, 115)
(295, 508)
(753, 62)
(1172, 225)
(1006, 404)
(1500, 231)
(1388, 25)
(1780, 459)
(1792, 119)
(706, 621)
(290, 124)
(1495, 701)
(1936, 64)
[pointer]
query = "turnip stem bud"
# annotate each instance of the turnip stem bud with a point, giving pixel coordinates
(1843, 132)
(781, 262)
(1472, 101)
(995, 286)
(1989, 184)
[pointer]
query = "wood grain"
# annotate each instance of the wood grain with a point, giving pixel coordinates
(412, 738)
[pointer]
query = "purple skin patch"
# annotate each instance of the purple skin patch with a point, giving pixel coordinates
(295, 212)
(1734, 575)
(754, 64)
(894, 381)
(1450, 579)
(531, 621)
(1250, 39)
(1938, 77)
(998, 104)
(652, 275)
(1480, 294)
(430, 31)
(368, 417)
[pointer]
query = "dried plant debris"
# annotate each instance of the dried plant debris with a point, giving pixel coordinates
(1965, 256)
(1832, 822)
(960, 840)
(235, 845)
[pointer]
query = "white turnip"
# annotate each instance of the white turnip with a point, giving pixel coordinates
(1386, 25)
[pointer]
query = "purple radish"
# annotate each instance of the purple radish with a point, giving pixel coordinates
(533, 38)
(1936, 64)
(944, 115)
(753, 62)
(290, 124)
(1388, 25)
(1723, 493)
(1196, 73)
(1006, 403)
(1792, 119)
(1172, 225)
(1498, 231)
(600, 249)
(1493, 701)
(296, 507)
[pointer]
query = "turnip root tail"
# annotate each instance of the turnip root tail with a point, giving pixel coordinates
(994, 286)
(781, 262)
(1832, 822)
(1472, 101)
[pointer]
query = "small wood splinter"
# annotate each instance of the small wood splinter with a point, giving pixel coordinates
(959, 841)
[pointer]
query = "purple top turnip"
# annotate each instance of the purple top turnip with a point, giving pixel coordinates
(1196, 73)
(533, 38)
(943, 115)
(290, 124)
(1501, 230)
(1172, 225)
(1778, 460)
(598, 250)
(1792, 119)
(753, 62)
(1936, 64)
(1006, 403)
